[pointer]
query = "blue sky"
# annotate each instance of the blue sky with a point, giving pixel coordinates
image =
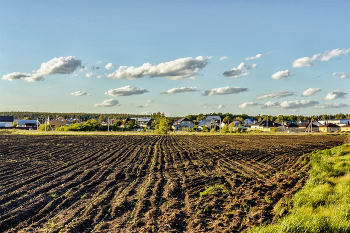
(50, 50)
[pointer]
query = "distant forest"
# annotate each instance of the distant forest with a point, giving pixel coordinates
(87, 116)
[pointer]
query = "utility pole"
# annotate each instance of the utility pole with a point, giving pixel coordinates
(108, 124)
(37, 123)
(267, 123)
(45, 124)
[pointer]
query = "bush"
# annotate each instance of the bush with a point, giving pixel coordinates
(205, 129)
(48, 127)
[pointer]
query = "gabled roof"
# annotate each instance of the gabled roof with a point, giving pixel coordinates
(264, 124)
(329, 125)
(218, 118)
(205, 122)
(290, 125)
(181, 119)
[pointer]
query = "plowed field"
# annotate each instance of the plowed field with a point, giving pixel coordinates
(148, 183)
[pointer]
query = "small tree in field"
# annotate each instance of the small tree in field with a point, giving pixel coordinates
(14, 124)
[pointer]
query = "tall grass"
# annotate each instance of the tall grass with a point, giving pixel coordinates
(323, 204)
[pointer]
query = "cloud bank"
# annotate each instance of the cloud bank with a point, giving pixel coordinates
(277, 94)
(224, 91)
(296, 104)
(281, 74)
(240, 71)
(126, 91)
(174, 70)
(108, 103)
(331, 105)
(177, 90)
(60, 65)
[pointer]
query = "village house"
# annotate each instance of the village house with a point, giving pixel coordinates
(330, 127)
(6, 121)
(339, 122)
(265, 125)
(345, 128)
(58, 122)
(182, 123)
(209, 123)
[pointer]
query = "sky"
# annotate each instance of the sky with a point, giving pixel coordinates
(176, 57)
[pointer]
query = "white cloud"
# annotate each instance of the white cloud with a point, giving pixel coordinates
(240, 71)
(74, 75)
(221, 106)
(108, 103)
(332, 105)
(109, 66)
(93, 75)
(89, 75)
(79, 93)
(176, 90)
(61, 65)
(277, 94)
(148, 102)
(281, 74)
(341, 75)
(270, 104)
(248, 104)
(174, 70)
(311, 91)
(98, 62)
(334, 53)
(305, 61)
(298, 104)
(291, 104)
(83, 68)
(126, 91)
(335, 95)
(224, 91)
(259, 55)
(223, 58)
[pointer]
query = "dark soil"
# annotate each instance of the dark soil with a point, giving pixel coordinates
(149, 183)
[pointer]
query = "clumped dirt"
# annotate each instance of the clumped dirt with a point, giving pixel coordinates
(149, 183)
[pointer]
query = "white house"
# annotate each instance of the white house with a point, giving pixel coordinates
(182, 123)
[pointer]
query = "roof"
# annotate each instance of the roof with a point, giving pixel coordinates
(330, 125)
(6, 118)
(347, 124)
(218, 118)
(264, 124)
(204, 122)
(181, 119)
(24, 122)
(307, 125)
(290, 125)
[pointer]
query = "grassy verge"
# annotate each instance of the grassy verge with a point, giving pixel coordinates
(323, 204)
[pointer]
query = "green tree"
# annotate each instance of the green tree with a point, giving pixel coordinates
(165, 125)
(42, 127)
(200, 117)
(227, 119)
(14, 124)
(225, 129)
(27, 118)
(101, 119)
(280, 118)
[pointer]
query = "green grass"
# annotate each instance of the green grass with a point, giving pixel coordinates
(212, 189)
(323, 204)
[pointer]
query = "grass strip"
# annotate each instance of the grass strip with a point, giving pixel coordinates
(323, 204)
